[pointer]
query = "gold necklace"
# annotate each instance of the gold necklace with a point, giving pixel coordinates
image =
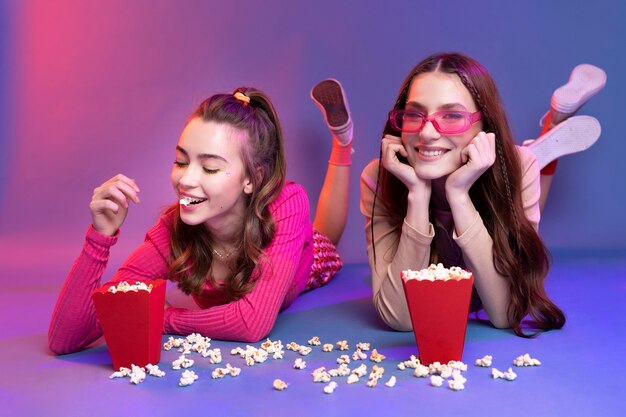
(226, 255)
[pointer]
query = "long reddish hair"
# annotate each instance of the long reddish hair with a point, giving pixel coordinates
(518, 252)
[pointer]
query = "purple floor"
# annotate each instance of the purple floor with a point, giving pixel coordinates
(580, 374)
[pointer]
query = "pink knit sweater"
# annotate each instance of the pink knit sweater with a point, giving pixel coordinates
(285, 270)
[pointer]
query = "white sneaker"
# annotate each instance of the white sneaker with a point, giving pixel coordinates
(330, 97)
(575, 134)
(584, 82)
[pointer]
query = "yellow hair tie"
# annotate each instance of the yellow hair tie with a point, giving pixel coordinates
(242, 97)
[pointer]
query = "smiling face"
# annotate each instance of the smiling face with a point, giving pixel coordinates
(209, 175)
(434, 155)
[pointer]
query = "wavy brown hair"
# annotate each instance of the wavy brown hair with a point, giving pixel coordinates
(264, 160)
(518, 252)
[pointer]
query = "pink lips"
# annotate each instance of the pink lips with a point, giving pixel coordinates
(183, 194)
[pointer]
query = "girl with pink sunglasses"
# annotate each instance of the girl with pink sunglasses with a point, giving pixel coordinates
(451, 186)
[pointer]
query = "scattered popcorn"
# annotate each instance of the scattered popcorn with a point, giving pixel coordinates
(123, 372)
(330, 388)
(154, 370)
(299, 364)
(182, 362)
(377, 357)
(232, 370)
(375, 375)
(435, 368)
(124, 286)
(358, 355)
(342, 370)
(495, 373)
(237, 351)
(177, 342)
(372, 382)
(260, 355)
(441, 372)
(353, 378)
(436, 381)
(457, 376)
(485, 361)
(343, 359)
(508, 375)
(526, 360)
(195, 342)
(137, 375)
(185, 349)
(421, 371)
(363, 346)
(412, 363)
(320, 375)
(198, 339)
(253, 355)
(360, 371)
(456, 385)
(222, 372)
(293, 346)
(279, 385)
(304, 350)
(457, 365)
(274, 348)
(315, 341)
(342, 345)
(445, 371)
(214, 355)
(187, 378)
(267, 344)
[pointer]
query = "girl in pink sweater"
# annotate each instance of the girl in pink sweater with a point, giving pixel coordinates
(238, 240)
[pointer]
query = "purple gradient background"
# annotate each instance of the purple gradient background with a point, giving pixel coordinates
(90, 89)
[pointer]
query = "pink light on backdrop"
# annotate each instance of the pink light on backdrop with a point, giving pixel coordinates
(87, 95)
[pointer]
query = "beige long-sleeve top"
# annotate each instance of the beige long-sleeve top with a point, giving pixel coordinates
(411, 249)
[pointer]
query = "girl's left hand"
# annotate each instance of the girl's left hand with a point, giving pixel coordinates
(477, 157)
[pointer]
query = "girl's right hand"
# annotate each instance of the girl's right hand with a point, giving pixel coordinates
(109, 204)
(391, 147)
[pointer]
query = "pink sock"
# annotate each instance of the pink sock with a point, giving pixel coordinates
(340, 155)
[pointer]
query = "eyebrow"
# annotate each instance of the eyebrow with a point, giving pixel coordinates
(202, 156)
(447, 106)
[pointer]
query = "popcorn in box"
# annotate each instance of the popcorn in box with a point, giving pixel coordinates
(438, 300)
(131, 317)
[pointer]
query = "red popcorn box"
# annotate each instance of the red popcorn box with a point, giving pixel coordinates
(132, 323)
(439, 311)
